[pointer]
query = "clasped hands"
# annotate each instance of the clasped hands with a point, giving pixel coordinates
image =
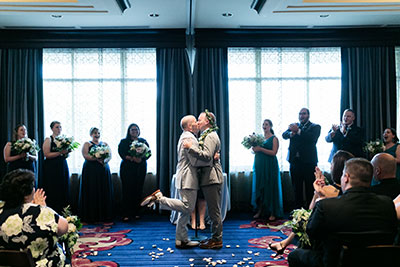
(135, 159)
(294, 128)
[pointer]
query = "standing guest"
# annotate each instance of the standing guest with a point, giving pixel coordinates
(55, 171)
(346, 136)
(357, 210)
(96, 189)
(392, 147)
(26, 222)
(302, 156)
(385, 172)
(132, 172)
(12, 158)
(267, 188)
(210, 177)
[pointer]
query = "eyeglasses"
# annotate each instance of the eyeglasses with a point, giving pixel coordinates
(302, 113)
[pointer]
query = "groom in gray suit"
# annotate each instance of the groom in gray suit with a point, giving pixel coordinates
(186, 182)
(210, 176)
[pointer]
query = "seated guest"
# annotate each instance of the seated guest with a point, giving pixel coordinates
(385, 173)
(357, 210)
(26, 222)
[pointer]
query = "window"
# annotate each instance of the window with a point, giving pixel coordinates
(275, 83)
(106, 88)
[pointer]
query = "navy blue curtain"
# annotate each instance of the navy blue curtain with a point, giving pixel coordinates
(174, 96)
(210, 85)
(369, 87)
(21, 97)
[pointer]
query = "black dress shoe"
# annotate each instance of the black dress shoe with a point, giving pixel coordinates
(211, 244)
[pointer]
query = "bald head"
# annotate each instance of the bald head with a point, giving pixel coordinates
(384, 166)
(187, 122)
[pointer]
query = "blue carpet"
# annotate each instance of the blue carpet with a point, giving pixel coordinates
(154, 235)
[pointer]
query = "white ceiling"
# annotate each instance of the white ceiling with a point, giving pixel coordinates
(78, 14)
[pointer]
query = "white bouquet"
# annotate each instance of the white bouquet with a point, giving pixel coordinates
(139, 150)
(253, 140)
(26, 145)
(100, 152)
(70, 238)
(65, 143)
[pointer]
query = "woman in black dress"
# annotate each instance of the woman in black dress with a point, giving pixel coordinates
(12, 158)
(55, 171)
(132, 172)
(96, 189)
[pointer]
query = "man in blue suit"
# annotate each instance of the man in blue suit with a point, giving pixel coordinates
(302, 156)
(346, 136)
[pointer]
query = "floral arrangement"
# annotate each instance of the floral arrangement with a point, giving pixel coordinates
(374, 147)
(65, 143)
(26, 145)
(299, 225)
(253, 140)
(100, 152)
(139, 150)
(70, 238)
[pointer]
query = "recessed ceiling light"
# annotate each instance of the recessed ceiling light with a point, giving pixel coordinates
(324, 16)
(227, 14)
(56, 16)
(154, 15)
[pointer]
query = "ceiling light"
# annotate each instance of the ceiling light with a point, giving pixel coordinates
(324, 16)
(56, 16)
(227, 14)
(154, 15)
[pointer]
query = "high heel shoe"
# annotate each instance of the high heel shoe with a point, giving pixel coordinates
(278, 251)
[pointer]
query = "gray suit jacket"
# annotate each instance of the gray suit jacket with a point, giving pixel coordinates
(212, 173)
(186, 172)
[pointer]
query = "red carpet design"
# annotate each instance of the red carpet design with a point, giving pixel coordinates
(263, 242)
(97, 239)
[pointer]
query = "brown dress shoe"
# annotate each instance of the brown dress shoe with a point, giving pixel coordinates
(211, 244)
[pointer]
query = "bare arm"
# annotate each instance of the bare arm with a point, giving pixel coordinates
(398, 154)
(46, 150)
(7, 154)
(85, 152)
(109, 158)
(62, 227)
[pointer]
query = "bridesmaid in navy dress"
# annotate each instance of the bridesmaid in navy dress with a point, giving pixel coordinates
(96, 190)
(132, 172)
(12, 158)
(55, 171)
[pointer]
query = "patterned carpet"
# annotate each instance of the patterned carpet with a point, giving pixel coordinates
(150, 241)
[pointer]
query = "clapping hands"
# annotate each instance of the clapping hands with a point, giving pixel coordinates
(294, 128)
(319, 182)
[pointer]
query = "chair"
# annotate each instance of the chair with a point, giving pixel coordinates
(16, 258)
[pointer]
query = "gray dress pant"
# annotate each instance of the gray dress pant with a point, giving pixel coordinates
(212, 195)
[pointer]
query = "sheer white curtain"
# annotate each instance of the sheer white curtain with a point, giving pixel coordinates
(275, 83)
(105, 88)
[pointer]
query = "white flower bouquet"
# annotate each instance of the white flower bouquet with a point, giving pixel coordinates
(65, 143)
(70, 238)
(100, 152)
(139, 150)
(299, 225)
(26, 145)
(253, 140)
(374, 147)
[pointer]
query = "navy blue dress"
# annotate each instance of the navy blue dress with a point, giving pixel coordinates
(95, 192)
(55, 180)
(20, 163)
(132, 178)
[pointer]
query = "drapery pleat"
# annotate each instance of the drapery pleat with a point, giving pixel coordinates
(369, 87)
(21, 98)
(174, 96)
(210, 85)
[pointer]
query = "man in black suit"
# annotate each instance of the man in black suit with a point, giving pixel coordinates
(358, 210)
(346, 136)
(302, 156)
(385, 172)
